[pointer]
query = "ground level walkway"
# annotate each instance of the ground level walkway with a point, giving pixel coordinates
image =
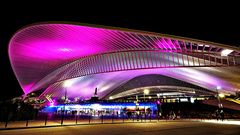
(186, 127)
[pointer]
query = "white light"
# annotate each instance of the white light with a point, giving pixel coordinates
(67, 83)
(192, 100)
(203, 45)
(218, 87)
(172, 93)
(225, 52)
(149, 97)
(158, 95)
(221, 95)
(183, 100)
(76, 99)
(233, 122)
(110, 97)
(65, 49)
(51, 104)
(96, 106)
(146, 91)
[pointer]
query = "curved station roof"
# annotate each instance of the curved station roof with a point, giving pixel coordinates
(45, 56)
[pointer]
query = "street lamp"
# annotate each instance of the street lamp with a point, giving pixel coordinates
(158, 105)
(218, 87)
(219, 96)
(145, 92)
(66, 84)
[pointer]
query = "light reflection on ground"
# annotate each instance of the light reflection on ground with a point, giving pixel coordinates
(232, 122)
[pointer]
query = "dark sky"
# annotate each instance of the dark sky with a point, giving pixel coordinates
(220, 25)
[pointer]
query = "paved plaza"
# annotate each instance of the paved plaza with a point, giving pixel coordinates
(170, 128)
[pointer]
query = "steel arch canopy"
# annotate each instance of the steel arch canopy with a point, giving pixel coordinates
(44, 55)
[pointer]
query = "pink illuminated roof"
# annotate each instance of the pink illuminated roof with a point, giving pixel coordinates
(44, 55)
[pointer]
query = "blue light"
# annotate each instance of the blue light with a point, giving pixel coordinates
(99, 106)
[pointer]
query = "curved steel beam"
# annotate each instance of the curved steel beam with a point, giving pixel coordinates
(42, 54)
(159, 89)
(128, 60)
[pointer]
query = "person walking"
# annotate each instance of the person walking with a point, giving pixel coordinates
(222, 115)
(217, 114)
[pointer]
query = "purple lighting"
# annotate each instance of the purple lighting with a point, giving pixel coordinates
(83, 87)
(51, 104)
(44, 55)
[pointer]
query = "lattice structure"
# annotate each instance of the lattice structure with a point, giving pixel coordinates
(44, 54)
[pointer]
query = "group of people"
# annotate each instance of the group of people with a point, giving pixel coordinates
(138, 113)
(219, 114)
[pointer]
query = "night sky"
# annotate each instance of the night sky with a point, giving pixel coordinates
(206, 23)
